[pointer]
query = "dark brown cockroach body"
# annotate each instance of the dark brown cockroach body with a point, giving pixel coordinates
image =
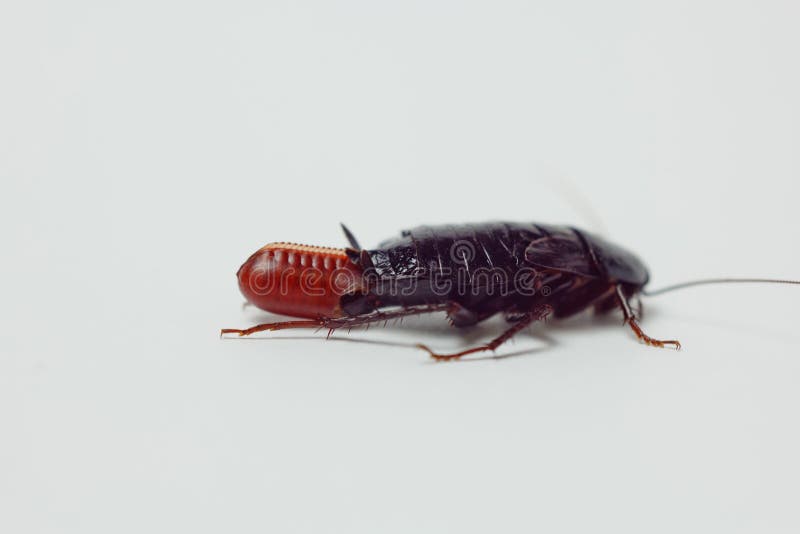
(525, 271)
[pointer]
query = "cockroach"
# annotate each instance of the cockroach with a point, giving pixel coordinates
(525, 271)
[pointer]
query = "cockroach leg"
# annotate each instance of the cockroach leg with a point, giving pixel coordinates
(649, 340)
(523, 322)
(631, 320)
(332, 323)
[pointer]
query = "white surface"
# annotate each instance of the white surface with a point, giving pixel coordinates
(147, 148)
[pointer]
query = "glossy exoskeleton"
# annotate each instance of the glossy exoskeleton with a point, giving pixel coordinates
(526, 271)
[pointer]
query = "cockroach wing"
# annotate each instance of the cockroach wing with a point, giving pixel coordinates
(561, 251)
(617, 263)
(585, 254)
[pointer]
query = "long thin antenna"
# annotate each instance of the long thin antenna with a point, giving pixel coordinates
(706, 281)
(565, 187)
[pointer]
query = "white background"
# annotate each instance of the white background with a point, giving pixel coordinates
(147, 148)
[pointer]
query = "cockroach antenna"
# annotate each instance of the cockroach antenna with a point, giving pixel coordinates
(709, 281)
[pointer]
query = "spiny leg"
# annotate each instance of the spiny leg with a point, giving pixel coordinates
(521, 324)
(631, 319)
(332, 323)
